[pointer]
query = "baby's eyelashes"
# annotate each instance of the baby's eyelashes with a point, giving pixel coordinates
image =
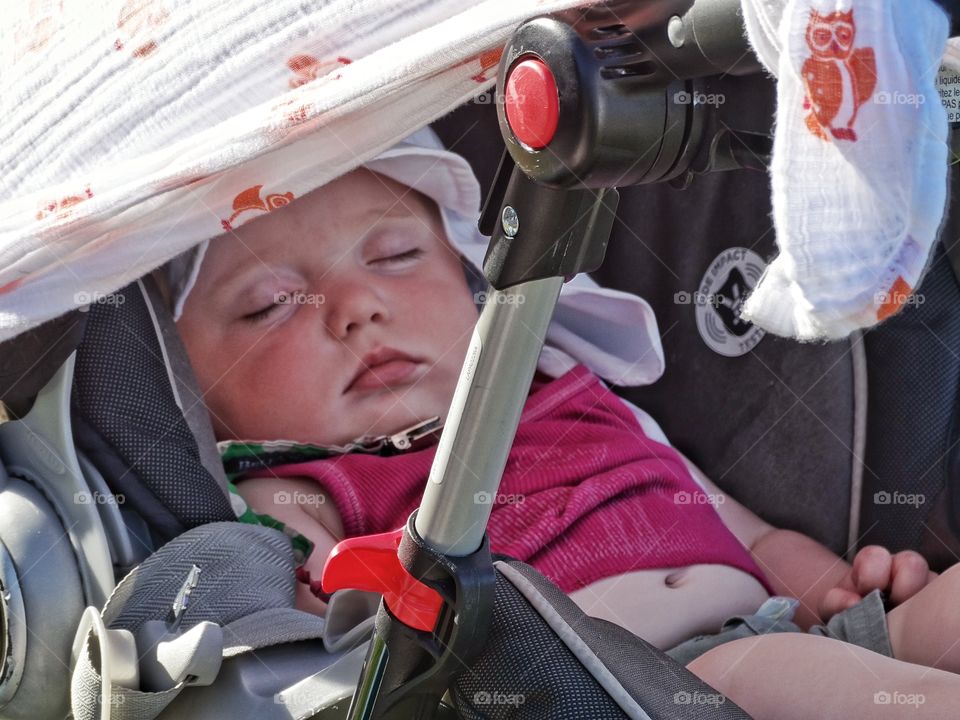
(280, 299)
(387, 257)
(394, 245)
(398, 258)
(261, 314)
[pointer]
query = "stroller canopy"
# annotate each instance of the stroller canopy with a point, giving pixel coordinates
(131, 133)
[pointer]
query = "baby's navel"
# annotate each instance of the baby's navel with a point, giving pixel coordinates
(675, 578)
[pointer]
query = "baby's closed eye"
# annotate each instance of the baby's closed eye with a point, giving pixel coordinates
(267, 306)
(400, 257)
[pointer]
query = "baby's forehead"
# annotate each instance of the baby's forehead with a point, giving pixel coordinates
(359, 201)
(360, 194)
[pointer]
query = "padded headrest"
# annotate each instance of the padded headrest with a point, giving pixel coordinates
(139, 417)
(30, 360)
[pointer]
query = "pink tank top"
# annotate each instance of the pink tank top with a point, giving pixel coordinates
(585, 494)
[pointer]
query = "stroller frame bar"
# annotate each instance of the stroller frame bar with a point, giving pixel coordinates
(484, 415)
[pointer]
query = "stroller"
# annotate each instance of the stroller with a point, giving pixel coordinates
(75, 450)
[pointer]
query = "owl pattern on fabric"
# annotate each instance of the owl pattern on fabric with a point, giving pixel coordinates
(838, 78)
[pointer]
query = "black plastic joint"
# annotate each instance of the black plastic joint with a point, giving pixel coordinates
(558, 232)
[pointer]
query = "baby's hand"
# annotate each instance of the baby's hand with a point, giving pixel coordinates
(899, 577)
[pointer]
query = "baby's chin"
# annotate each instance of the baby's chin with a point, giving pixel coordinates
(394, 413)
(339, 425)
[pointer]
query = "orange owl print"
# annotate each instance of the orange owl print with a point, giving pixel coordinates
(61, 206)
(307, 68)
(489, 59)
(42, 23)
(250, 200)
(138, 21)
(838, 77)
(485, 61)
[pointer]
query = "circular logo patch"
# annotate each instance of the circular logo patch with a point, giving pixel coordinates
(726, 283)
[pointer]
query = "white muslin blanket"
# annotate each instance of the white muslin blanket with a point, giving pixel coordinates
(132, 130)
(859, 168)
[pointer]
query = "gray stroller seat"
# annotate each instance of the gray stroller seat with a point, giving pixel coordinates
(203, 625)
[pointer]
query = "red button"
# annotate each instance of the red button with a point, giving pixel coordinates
(532, 103)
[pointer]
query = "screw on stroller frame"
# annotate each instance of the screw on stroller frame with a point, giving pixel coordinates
(621, 94)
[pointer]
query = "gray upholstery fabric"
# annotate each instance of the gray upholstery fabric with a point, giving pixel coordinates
(772, 427)
(910, 497)
(544, 659)
(181, 374)
(127, 422)
(246, 586)
(244, 569)
(30, 360)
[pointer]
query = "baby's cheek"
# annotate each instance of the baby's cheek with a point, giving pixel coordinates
(257, 396)
(461, 319)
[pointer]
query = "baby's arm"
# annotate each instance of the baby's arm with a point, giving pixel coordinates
(299, 504)
(798, 566)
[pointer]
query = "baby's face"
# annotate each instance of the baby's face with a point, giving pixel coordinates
(374, 333)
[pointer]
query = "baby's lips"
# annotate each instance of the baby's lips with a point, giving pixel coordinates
(393, 372)
(383, 367)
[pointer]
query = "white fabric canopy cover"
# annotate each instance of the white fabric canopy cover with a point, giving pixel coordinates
(131, 130)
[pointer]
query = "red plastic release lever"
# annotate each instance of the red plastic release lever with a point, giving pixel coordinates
(370, 562)
(532, 103)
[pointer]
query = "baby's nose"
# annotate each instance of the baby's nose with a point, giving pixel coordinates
(353, 306)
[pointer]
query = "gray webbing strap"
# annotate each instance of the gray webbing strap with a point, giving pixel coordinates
(264, 628)
(245, 587)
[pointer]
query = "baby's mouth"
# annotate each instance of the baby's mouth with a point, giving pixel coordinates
(383, 368)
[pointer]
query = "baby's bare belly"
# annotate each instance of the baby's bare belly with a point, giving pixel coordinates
(665, 607)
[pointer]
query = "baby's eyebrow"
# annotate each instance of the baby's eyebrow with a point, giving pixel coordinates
(380, 222)
(240, 276)
(397, 211)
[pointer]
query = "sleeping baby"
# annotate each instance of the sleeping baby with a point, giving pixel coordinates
(340, 321)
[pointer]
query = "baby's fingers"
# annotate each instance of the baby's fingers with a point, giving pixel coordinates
(837, 600)
(910, 575)
(872, 569)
